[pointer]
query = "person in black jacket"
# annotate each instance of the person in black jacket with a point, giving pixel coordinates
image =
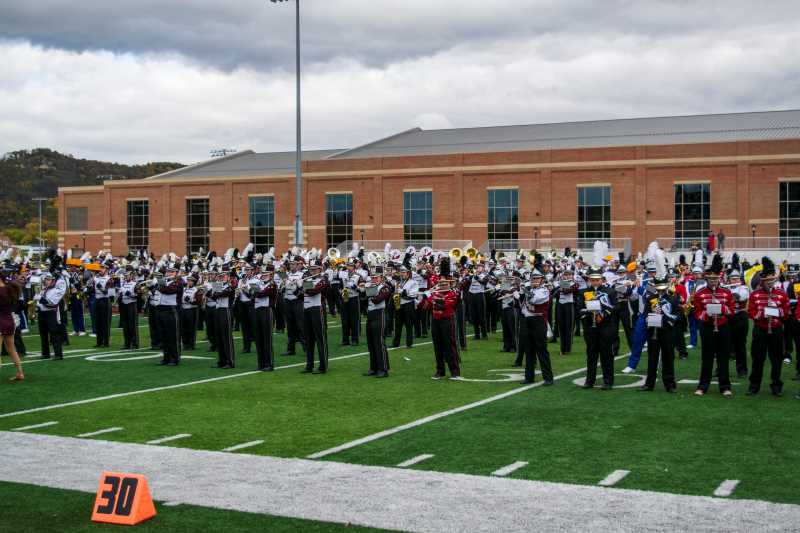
(596, 305)
(661, 312)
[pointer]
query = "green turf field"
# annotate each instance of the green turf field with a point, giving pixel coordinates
(672, 443)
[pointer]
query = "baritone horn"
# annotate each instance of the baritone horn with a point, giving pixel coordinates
(333, 253)
(455, 254)
(472, 253)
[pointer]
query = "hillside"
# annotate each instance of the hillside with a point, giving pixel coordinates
(27, 174)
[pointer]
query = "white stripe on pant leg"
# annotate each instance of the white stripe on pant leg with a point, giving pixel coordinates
(726, 488)
(506, 470)
(614, 477)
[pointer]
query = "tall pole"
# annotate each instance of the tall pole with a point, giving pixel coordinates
(298, 185)
(39, 201)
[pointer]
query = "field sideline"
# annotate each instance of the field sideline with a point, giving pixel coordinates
(488, 424)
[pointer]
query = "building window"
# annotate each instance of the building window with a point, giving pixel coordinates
(692, 214)
(418, 218)
(138, 225)
(262, 223)
(339, 218)
(594, 215)
(196, 225)
(503, 217)
(789, 210)
(77, 218)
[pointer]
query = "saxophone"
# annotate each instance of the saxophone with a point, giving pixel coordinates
(346, 295)
(396, 298)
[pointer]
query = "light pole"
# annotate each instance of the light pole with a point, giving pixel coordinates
(40, 200)
(298, 172)
(753, 230)
(84, 244)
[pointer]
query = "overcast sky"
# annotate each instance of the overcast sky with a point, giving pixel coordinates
(153, 80)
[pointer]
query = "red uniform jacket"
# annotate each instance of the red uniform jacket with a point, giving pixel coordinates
(759, 300)
(705, 296)
(444, 304)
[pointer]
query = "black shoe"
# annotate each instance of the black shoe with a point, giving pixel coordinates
(683, 356)
(319, 372)
(645, 388)
(268, 369)
(173, 363)
(218, 365)
(106, 346)
(743, 375)
(59, 358)
(97, 346)
(370, 373)
(517, 365)
(605, 386)
(306, 371)
(777, 393)
(587, 386)
(288, 353)
(437, 376)
(354, 343)
(548, 383)
(247, 350)
(526, 382)
(382, 375)
(161, 363)
(395, 345)
(344, 344)
(126, 348)
(751, 392)
(227, 367)
(212, 348)
(45, 357)
(672, 390)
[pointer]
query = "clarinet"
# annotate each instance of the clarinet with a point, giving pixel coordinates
(769, 319)
(714, 301)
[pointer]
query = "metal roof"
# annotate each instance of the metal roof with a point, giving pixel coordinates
(754, 126)
(245, 164)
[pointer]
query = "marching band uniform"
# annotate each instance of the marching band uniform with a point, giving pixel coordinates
(246, 312)
(211, 316)
(47, 305)
(739, 324)
(153, 299)
(598, 330)
(223, 293)
(333, 295)
(565, 312)
(508, 319)
(102, 308)
(713, 307)
(422, 277)
(404, 317)
(170, 290)
(76, 304)
(661, 338)
(534, 306)
(293, 307)
(189, 315)
(443, 330)
(351, 309)
(376, 322)
(264, 295)
(316, 325)
(768, 307)
(476, 285)
(128, 315)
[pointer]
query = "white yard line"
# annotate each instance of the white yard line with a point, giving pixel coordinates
(398, 499)
(175, 386)
(506, 470)
(35, 426)
(726, 488)
(415, 460)
(614, 477)
(243, 446)
(100, 432)
(170, 438)
(437, 416)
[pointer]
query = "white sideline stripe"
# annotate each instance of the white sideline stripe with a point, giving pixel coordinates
(437, 416)
(614, 477)
(35, 426)
(100, 432)
(169, 439)
(176, 386)
(415, 460)
(726, 488)
(506, 470)
(243, 446)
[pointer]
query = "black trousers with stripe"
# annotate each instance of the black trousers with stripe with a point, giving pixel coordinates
(316, 330)
(763, 345)
(715, 346)
(378, 355)
(189, 327)
(50, 333)
(155, 331)
(565, 319)
(533, 338)
(102, 311)
(262, 332)
(211, 331)
(246, 318)
(509, 324)
(295, 330)
(351, 319)
(477, 313)
(129, 318)
(404, 318)
(170, 332)
(445, 346)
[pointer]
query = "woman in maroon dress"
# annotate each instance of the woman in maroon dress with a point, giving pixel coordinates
(9, 299)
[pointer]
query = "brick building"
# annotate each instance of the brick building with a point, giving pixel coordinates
(634, 180)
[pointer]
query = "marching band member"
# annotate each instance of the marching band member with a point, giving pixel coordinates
(476, 286)
(534, 303)
(508, 318)
(76, 296)
(244, 303)
(661, 314)
(421, 276)
(768, 307)
(713, 307)
(406, 290)
(293, 306)
(264, 292)
(190, 303)
(170, 288)
(596, 304)
(378, 293)
(49, 315)
(222, 292)
(128, 314)
(444, 301)
(316, 323)
(102, 306)
(351, 308)
(211, 311)
(565, 308)
(739, 322)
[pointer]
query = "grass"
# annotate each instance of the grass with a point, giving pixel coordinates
(27, 508)
(673, 443)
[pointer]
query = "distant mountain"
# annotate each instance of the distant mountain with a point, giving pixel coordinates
(28, 174)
